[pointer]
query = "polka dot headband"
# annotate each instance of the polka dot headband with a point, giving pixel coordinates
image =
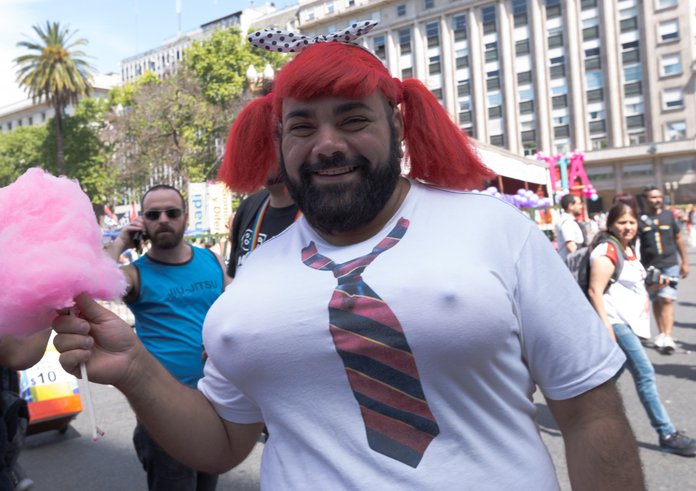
(287, 42)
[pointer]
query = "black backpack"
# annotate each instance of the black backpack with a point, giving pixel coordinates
(578, 261)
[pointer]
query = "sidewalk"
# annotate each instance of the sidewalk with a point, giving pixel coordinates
(676, 382)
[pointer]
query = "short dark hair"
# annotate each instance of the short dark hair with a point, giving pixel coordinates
(167, 187)
(648, 189)
(567, 200)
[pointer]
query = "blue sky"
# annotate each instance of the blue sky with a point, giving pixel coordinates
(115, 29)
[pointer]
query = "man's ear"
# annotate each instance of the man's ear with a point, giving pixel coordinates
(398, 122)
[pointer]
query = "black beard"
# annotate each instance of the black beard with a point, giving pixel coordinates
(345, 207)
(166, 242)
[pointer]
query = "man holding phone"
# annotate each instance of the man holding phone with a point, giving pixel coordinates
(170, 289)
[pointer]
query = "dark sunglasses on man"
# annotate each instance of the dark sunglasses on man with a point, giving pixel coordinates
(153, 215)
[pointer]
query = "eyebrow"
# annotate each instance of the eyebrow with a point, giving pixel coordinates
(341, 109)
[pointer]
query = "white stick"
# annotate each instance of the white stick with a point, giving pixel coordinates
(96, 431)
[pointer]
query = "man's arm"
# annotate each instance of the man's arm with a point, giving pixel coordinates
(179, 418)
(22, 353)
(601, 449)
(681, 247)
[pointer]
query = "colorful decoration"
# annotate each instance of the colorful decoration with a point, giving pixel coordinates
(567, 174)
(524, 198)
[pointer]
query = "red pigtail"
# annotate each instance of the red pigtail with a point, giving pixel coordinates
(438, 151)
(250, 152)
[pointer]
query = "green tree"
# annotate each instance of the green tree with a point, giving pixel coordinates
(220, 64)
(20, 150)
(56, 72)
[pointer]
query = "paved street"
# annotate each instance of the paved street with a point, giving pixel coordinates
(73, 462)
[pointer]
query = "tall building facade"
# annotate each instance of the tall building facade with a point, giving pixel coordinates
(613, 78)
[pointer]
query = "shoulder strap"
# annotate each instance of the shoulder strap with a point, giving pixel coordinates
(253, 203)
(620, 256)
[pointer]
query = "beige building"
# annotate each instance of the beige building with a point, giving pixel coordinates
(615, 79)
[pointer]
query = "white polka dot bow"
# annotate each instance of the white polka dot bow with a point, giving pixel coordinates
(287, 42)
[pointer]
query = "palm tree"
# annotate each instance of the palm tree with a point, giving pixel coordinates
(54, 71)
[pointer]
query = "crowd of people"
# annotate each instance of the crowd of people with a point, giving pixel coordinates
(376, 344)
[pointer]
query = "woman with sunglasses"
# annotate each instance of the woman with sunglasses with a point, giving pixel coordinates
(624, 307)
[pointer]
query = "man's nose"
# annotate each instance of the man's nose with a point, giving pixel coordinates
(328, 141)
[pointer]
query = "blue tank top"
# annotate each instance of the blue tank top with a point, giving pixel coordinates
(170, 309)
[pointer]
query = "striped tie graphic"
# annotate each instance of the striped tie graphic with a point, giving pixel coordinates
(378, 361)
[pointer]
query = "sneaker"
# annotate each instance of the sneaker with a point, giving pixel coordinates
(678, 443)
(659, 341)
(668, 345)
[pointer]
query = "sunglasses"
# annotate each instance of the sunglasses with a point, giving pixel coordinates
(153, 215)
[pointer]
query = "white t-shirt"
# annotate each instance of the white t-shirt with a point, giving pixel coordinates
(478, 290)
(568, 229)
(626, 301)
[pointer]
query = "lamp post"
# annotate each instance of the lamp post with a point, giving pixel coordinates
(259, 83)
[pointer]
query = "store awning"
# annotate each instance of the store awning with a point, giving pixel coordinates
(508, 164)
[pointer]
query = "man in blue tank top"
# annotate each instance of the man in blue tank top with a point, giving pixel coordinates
(171, 288)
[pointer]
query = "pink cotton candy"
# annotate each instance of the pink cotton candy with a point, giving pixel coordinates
(50, 251)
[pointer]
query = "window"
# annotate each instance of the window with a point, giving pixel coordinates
(519, 12)
(553, 9)
(400, 10)
(596, 95)
(557, 71)
(594, 63)
(679, 166)
(428, 4)
(599, 144)
(434, 65)
(465, 117)
(522, 47)
(598, 127)
(491, 53)
(646, 169)
(589, 53)
(672, 98)
(628, 25)
(489, 19)
(498, 140)
(630, 56)
(561, 131)
(528, 136)
(634, 88)
(379, 46)
(590, 33)
(663, 4)
(669, 30)
(555, 40)
(495, 112)
(405, 41)
(595, 80)
(633, 73)
(600, 172)
(407, 72)
(459, 27)
(432, 32)
(526, 107)
(463, 88)
(559, 101)
(588, 4)
(437, 93)
(675, 131)
(524, 78)
(330, 8)
(493, 83)
(636, 121)
(670, 64)
(462, 60)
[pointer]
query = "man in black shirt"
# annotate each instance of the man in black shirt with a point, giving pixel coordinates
(662, 247)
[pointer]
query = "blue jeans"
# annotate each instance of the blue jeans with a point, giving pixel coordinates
(643, 373)
(163, 472)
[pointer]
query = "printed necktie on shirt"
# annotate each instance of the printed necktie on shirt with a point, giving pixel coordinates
(377, 358)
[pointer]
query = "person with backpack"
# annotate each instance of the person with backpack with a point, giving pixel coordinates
(624, 307)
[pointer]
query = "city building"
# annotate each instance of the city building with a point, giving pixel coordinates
(612, 78)
(29, 113)
(164, 59)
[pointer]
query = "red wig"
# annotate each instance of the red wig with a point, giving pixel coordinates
(438, 151)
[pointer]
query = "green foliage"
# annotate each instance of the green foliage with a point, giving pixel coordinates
(20, 150)
(220, 64)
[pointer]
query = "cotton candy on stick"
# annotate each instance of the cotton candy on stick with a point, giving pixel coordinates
(50, 251)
